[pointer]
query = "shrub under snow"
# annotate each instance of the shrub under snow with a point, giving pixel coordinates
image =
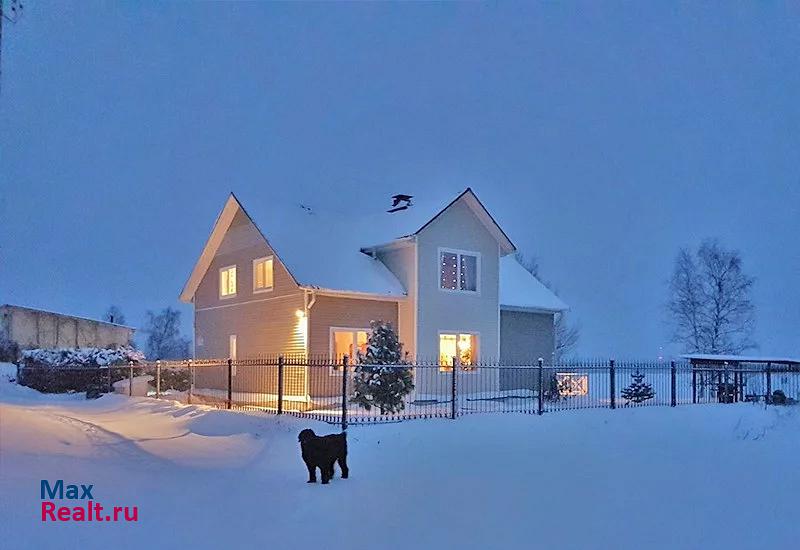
(79, 357)
(65, 370)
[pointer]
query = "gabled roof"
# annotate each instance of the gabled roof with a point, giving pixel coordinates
(413, 221)
(324, 248)
(312, 247)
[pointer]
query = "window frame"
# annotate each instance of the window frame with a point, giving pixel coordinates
(459, 252)
(256, 261)
(476, 355)
(331, 342)
(219, 282)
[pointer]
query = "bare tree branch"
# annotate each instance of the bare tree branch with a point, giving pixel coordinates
(710, 305)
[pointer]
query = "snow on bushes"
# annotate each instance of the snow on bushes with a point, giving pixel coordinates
(65, 370)
(80, 357)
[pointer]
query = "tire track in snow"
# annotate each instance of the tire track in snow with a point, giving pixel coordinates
(108, 442)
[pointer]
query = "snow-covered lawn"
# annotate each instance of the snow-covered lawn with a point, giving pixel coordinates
(713, 476)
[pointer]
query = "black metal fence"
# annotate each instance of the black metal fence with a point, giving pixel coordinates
(325, 390)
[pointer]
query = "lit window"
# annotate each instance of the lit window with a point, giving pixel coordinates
(464, 346)
(348, 342)
(458, 271)
(262, 274)
(227, 281)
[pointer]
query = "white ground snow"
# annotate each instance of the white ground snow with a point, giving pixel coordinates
(715, 476)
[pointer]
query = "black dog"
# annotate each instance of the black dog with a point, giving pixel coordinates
(322, 452)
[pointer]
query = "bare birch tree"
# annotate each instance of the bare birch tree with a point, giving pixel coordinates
(164, 339)
(710, 306)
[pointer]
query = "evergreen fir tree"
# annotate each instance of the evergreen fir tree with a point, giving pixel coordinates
(639, 390)
(379, 380)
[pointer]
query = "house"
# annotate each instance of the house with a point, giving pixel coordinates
(35, 328)
(308, 282)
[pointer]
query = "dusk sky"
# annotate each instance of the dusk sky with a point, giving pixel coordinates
(601, 139)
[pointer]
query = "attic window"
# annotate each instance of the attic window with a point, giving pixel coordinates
(262, 274)
(227, 281)
(458, 270)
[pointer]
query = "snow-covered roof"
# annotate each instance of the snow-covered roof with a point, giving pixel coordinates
(710, 357)
(520, 289)
(322, 248)
(326, 247)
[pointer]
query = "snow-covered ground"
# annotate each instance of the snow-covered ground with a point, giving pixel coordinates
(713, 476)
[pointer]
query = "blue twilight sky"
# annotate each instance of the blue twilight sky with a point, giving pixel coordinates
(602, 135)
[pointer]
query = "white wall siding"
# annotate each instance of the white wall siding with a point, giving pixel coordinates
(437, 310)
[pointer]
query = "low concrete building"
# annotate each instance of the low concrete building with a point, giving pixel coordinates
(36, 328)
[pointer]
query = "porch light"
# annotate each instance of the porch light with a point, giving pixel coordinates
(299, 313)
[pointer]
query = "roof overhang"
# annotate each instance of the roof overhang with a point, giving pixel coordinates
(221, 225)
(402, 242)
(354, 294)
(719, 359)
(552, 311)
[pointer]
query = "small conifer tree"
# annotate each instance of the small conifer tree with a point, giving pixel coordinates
(639, 390)
(380, 379)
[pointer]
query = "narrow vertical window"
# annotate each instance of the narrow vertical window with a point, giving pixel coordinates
(232, 353)
(468, 270)
(262, 274)
(449, 270)
(232, 347)
(227, 281)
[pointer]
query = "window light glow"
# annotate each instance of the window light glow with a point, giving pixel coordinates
(462, 345)
(227, 281)
(262, 274)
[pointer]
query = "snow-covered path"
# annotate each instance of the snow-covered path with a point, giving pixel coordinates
(690, 477)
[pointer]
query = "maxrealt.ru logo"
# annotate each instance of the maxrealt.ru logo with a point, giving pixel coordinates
(87, 510)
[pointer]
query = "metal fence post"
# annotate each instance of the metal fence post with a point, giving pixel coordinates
(612, 384)
(673, 384)
(158, 379)
(230, 382)
(280, 384)
(344, 392)
(694, 386)
(540, 404)
(130, 378)
(191, 383)
(453, 389)
(769, 383)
